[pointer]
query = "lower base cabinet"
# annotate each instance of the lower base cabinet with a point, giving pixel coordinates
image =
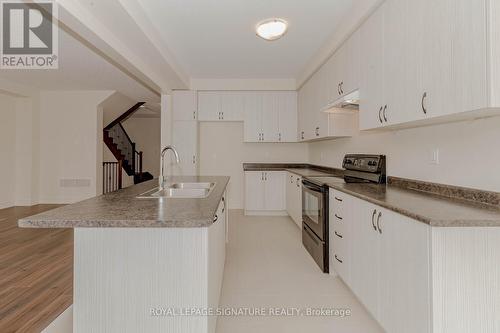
(294, 197)
(265, 193)
(412, 277)
(384, 258)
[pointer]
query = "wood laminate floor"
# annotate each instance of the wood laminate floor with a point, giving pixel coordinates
(36, 272)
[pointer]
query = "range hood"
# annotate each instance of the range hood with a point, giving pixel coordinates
(347, 102)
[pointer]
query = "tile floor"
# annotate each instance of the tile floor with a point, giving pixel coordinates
(266, 266)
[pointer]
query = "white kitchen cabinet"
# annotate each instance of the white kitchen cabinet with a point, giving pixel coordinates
(287, 116)
(340, 256)
(385, 262)
(420, 51)
(184, 104)
(404, 273)
(220, 105)
(216, 257)
(365, 258)
(185, 140)
(271, 116)
(265, 192)
(372, 61)
(344, 69)
(232, 105)
(294, 197)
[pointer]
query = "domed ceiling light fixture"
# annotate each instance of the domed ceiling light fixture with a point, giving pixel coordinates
(271, 29)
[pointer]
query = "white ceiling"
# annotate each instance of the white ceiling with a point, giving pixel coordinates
(216, 38)
(80, 68)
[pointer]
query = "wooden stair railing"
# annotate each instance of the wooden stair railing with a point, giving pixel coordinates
(123, 148)
(111, 176)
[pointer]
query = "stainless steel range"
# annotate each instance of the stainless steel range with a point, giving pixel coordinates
(358, 168)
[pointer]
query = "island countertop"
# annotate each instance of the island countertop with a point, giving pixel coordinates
(122, 209)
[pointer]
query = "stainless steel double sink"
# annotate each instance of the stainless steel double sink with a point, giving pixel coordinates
(179, 190)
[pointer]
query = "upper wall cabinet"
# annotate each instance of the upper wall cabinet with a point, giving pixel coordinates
(221, 105)
(184, 104)
(422, 64)
(339, 76)
(270, 116)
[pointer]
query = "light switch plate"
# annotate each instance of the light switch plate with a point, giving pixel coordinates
(434, 156)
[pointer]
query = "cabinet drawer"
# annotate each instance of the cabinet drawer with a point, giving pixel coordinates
(340, 265)
(338, 203)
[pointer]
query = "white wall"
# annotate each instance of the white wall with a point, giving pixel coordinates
(468, 152)
(7, 150)
(70, 144)
(223, 152)
(146, 132)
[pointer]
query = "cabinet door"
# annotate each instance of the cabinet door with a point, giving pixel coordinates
(253, 116)
(297, 208)
(232, 105)
(290, 194)
(185, 140)
(302, 113)
(270, 120)
(209, 106)
(351, 75)
(274, 190)
(254, 190)
(287, 116)
(395, 61)
(455, 58)
(364, 249)
(184, 104)
(372, 63)
(404, 274)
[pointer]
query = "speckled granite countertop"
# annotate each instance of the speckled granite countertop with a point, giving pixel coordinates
(429, 208)
(301, 169)
(122, 209)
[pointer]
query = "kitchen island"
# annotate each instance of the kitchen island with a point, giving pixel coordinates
(142, 264)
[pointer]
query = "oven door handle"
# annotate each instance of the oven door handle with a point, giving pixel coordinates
(313, 237)
(312, 188)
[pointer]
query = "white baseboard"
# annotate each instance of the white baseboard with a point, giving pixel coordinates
(266, 213)
(62, 324)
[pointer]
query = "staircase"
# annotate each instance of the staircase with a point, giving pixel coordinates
(123, 148)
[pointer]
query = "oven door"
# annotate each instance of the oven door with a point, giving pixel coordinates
(313, 208)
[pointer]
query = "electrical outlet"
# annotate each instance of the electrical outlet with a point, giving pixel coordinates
(434, 156)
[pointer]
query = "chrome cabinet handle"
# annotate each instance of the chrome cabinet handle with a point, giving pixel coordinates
(380, 114)
(291, 179)
(342, 87)
(338, 235)
(338, 88)
(194, 115)
(216, 218)
(194, 159)
(385, 109)
(338, 199)
(224, 202)
(336, 258)
(424, 96)
(373, 219)
(279, 136)
(265, 175)
(262, 136)
(317, 131)
(302, 135)
(378, 222)
(222, 115)
(338, 216)
(261, 176)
